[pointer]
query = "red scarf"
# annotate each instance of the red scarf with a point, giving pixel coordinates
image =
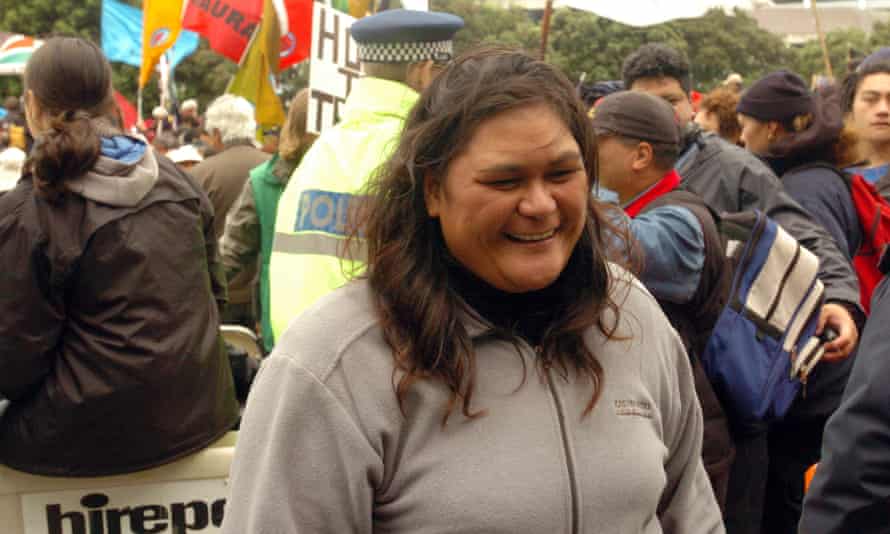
(667, 184)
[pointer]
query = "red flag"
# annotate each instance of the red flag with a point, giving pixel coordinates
(128, 112)
(296, 32)
(229, 24)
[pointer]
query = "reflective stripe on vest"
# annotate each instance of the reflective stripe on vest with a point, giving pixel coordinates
(324, 220)
(324, 245)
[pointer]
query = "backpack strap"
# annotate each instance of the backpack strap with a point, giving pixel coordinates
(710, 297)
(687, 199)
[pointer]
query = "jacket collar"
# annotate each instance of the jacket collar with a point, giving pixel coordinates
(668, 183)
(375, 96)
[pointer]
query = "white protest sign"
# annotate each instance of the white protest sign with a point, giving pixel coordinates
(416, 5)
(169, 507)
(333, 67)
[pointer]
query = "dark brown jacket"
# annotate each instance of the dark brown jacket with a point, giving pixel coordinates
(223, 177)
(109, 344)
(694, 321)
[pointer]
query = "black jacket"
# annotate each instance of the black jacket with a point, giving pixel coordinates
(110, 350)
(731, 179)
(851, 489)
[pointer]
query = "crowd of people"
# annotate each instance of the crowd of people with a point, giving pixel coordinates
(483, 295)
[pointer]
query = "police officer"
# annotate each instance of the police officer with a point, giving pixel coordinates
(400, 51)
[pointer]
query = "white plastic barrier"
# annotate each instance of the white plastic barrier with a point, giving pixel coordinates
(180, 497)
(243, 339)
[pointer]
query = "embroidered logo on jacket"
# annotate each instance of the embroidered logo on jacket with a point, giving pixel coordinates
(633, 408)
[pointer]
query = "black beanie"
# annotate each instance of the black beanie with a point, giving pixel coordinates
(778, 96)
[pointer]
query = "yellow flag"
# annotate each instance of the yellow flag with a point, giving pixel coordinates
(259, 62)
(359, 8)
(161, 22)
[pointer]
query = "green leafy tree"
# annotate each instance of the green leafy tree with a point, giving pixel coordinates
(719, 44)
(487, 24)
(880, 35)
(809, 58)
(582, 42)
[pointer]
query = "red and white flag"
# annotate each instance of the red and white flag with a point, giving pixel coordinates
(229, 24)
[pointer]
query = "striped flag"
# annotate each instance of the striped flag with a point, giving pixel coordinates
(15, 50)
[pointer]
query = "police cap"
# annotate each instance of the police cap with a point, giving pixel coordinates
(406, 36)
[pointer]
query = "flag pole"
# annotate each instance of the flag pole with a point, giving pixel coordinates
(545, 28)
(819, 31)
(139, 106)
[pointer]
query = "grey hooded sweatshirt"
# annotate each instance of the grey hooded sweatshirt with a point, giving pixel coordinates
(324, 448)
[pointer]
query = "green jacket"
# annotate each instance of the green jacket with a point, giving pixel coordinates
(250, 227)
(267, 189)
(308, 254)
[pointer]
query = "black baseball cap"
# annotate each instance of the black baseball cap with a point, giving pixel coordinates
(637, 115)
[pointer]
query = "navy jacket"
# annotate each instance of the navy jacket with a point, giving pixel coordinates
(822, 192)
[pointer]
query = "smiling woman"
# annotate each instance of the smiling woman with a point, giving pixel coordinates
(513, 204)
(403, 400)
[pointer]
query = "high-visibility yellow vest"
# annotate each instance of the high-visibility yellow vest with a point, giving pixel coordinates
(310, 228)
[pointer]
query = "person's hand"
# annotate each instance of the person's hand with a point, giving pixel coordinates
(838, 318)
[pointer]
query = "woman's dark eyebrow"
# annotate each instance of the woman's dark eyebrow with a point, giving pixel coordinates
(568, 155)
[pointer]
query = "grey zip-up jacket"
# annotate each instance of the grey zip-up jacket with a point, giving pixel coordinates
(324, 448)
(731, 179)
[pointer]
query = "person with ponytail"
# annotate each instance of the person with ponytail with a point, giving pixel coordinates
(110, 353)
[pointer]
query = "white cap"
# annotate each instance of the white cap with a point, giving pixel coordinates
(191, 103)
(185, 153)
(735, 77)
(11, 162)
(159, 113)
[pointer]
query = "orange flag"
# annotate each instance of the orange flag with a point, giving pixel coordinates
(161, 22)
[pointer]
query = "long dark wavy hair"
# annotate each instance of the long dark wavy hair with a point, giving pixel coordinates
(407, 268)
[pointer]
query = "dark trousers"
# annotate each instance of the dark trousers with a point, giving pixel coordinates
(747, 481)
(793, 447)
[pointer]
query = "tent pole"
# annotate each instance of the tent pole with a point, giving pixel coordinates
(545, 28)
(825, 55)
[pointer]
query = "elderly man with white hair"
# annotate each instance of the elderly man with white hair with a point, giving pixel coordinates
(188, 114)
(230, 123)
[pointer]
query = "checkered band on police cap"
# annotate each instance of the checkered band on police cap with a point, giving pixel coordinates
(438, 51)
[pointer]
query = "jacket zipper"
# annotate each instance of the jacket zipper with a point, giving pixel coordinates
(570, 467)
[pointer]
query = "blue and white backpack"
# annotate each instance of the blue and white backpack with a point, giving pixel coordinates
(763, 345)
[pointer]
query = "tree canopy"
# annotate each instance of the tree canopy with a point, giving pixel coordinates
(579, 42)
